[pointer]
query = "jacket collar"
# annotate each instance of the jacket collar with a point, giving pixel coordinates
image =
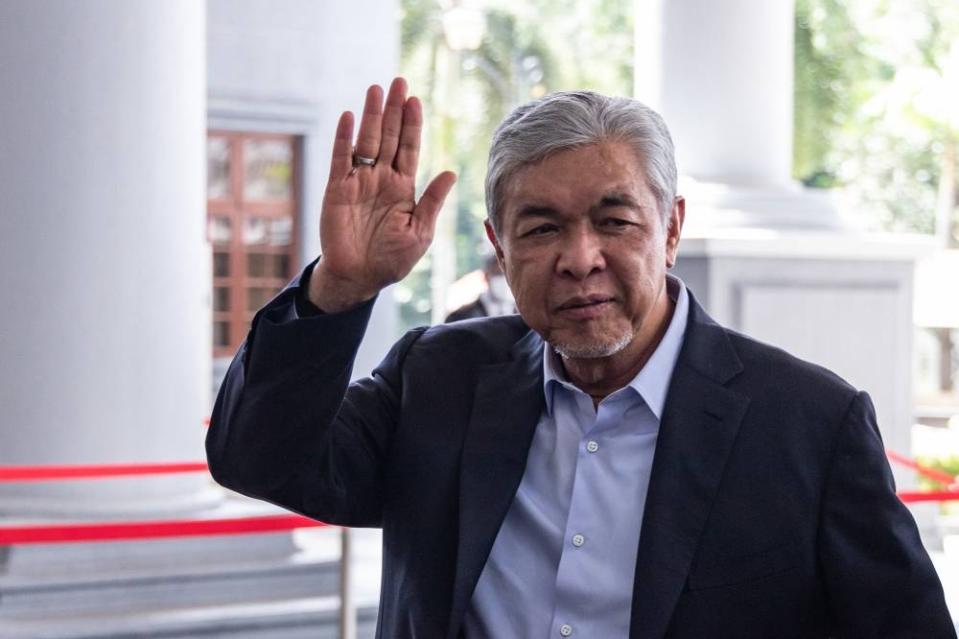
(700, 421)
(507, 406)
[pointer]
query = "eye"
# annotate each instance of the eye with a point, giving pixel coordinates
(615, 223)
(542, 229)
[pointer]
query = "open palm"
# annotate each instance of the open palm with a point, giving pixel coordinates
(372, 230)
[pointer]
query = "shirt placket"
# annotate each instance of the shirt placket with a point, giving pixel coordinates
(580, 552)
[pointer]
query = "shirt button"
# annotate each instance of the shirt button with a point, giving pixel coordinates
(578, 540)
(592, 446)
(566, 630)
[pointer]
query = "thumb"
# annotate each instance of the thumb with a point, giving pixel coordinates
(431, 202)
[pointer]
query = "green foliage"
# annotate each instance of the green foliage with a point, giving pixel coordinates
(948, 465)
(875, 105)
(824, 54)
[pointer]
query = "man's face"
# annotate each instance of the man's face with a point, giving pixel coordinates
(585, 250)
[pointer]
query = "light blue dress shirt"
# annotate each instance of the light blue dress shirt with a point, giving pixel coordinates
(564, 560)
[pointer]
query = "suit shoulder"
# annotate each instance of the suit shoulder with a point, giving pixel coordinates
(781, 373)
(479, 340)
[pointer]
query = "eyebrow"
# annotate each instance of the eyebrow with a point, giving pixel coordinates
(611, 199)
(617, 199)
(537, 210)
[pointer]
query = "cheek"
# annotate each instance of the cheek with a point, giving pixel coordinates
(638, 276)
(528, 280)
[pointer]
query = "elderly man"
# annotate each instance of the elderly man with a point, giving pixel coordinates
(612, 463)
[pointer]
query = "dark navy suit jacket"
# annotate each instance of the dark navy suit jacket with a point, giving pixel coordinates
(771, 510)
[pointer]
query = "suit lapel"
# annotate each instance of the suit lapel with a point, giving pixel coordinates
(700, 421)
(507, 406)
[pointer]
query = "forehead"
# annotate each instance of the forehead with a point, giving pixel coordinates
(578, 176)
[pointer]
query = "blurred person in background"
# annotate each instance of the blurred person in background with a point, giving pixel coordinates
(610, 462)
(496, 300)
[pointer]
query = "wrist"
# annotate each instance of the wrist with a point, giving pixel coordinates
(333, 293)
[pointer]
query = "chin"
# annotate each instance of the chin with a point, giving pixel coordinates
(591, 349)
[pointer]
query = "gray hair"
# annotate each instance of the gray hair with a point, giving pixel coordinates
(570, 119)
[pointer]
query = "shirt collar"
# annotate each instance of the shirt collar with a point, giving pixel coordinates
(652, 381)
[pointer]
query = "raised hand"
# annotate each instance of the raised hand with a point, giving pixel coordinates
(372, 231)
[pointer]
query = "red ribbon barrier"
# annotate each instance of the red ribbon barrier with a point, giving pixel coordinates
(936, 475)
(47, 473)
(126, 531)
(911, 497)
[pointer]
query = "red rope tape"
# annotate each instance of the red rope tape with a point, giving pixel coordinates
(125, 531)
(911, 497)
(46, 473)
(933, 474)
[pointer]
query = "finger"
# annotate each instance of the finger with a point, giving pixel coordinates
(409, 150)
(431, 202)
(368, 139)
(342, 161)
(392, 121)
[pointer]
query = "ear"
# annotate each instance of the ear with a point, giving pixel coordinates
(676, 218)
(491, 236)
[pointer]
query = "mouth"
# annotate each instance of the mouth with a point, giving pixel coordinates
(585, 307)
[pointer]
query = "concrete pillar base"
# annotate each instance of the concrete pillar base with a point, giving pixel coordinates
(716, 208)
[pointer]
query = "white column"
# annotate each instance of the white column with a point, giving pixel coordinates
(105, 338)
(721, 74)
(723, 78)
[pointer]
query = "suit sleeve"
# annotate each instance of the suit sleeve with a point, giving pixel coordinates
(287, 426)
(879, 579)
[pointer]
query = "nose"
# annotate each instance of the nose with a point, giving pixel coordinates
(580, 255)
